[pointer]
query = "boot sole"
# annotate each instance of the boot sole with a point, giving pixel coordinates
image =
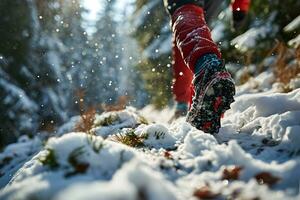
(206, 114)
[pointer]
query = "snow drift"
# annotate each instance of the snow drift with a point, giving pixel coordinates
(255, 156)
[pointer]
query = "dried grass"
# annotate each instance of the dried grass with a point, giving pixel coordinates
(49, 159)
(120, 105)
(87, 116)
(283, 71)
(245, 77)
(108, 121)
(129, 138)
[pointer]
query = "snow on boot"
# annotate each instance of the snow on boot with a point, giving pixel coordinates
(214, 91)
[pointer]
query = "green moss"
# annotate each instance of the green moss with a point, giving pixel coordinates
(79, 167)
(107, 121)
(159, 135)
(96, 146)
(50, 159)
(131, 139)
(143, 120)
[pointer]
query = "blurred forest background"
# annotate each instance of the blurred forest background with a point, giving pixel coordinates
(55, 63)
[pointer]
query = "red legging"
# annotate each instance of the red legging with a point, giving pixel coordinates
(191, 40)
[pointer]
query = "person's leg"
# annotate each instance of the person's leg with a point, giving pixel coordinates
(183, 76)
(214, 88)
(182, 83)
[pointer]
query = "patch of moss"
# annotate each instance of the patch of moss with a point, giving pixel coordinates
(79, 167)
(159, 135)
(50, 159)
(96, 146)
(143, 120)
(131, 139)
(107, 121)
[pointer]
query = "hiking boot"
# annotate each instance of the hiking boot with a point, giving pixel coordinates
(214, 91)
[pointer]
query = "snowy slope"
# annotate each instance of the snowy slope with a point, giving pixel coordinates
(256, 155)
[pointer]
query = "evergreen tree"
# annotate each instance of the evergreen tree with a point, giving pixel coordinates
(107, 56)
(77, 58)
(32, 75)
(266, 17)
(27, 70)
(152, 31)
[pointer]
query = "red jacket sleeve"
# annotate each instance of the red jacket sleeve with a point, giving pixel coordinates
(241, 5)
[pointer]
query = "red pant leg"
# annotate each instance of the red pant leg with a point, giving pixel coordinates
(192, 39)
(241, 5)
(192, 35)
(183, 76)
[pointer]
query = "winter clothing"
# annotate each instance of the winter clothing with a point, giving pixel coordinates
(192, 35)
(183, 77)
(241, 5)
(239, 12)
(184, 107)
(181, 89)
(195, 49)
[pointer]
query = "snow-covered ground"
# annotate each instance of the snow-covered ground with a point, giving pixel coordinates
(256, 155)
